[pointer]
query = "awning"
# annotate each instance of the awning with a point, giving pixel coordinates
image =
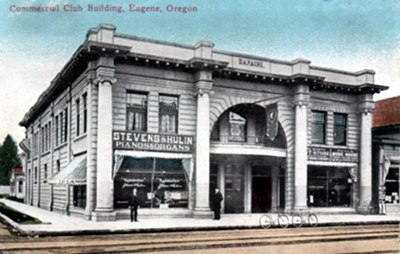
(73, 174)
(187, 161)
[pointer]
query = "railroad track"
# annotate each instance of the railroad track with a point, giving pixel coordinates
(198, 240)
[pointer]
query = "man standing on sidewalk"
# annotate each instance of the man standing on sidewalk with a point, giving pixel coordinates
(134, 204)
(216, 204)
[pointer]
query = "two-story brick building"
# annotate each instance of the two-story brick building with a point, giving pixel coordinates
(175, 121)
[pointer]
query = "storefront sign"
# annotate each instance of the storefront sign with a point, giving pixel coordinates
(144, 141)
(332, 154)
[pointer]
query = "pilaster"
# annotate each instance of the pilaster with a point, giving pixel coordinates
(301, 100)
(203, 88)
(104, 181)
(365, 170)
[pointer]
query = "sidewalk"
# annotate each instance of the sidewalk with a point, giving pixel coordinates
(58, 224)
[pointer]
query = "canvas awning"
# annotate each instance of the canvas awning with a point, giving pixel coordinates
(186, 159)
(73, 174)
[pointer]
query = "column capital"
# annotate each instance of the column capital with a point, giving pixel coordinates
(300, 104)
(103, 79)
(366, 111)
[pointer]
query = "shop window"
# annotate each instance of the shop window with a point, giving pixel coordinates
(329, 187)
(318, 127)
(36, 174)
(160, 183)
(168, 110)
(392, 186)
(136, 111)
(45, 173)
(340, 129)
(80, 196)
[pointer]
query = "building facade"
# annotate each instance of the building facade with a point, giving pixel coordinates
(176, 121)
(386, 155)
(17, 183)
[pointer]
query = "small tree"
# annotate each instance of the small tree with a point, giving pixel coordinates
(8, 159)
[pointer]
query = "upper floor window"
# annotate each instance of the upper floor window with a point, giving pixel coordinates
(318, 127)
(56, 135)
(65, 134)
(78, 117)
(168, 114)
(340, 129)
(136, 111)
(84, 102)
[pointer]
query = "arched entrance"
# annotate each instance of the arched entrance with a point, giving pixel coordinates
(246, 165)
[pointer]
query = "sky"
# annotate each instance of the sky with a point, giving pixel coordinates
(342, 34)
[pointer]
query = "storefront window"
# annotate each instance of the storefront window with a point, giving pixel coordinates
(318, 127)
(340, 129)
(160, 183)
(136, 111)
(80, 196)
(329, 187)
(392, 186)
(168, 114)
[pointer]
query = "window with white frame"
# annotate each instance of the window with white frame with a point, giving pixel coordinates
(168, 114)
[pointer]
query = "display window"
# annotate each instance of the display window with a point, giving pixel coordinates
(392, 186)
(329, 187)
(161, 183)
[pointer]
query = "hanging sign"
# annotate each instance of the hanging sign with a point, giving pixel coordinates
(272, 120)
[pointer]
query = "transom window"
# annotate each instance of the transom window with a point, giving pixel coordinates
(168, 110)
(136, 111)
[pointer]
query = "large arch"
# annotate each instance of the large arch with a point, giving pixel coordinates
(286, 119)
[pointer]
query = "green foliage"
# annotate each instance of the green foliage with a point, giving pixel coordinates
(17, 216)
(8, 159)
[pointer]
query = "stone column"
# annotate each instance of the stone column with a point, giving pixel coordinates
(203, 87)
(104, 180)
(300, 156)
(365, 169)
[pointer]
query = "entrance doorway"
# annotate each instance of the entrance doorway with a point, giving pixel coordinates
(261, 200)
(234, 183)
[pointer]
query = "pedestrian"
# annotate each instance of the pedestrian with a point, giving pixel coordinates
(134, 204)
(216, 204)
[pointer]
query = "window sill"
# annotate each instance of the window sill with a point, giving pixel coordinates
(60, 146)
(82, 136)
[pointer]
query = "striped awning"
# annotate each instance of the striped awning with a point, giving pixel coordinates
(73, 174)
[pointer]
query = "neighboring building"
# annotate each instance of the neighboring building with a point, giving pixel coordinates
(175, 121)
(17, 183)
(386, 154)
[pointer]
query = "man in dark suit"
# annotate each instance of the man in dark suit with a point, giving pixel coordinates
(134, 204)
(216, 204)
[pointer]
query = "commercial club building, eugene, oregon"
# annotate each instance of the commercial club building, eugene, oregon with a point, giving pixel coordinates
(176, 121)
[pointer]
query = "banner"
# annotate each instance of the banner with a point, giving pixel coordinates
(272, 121)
